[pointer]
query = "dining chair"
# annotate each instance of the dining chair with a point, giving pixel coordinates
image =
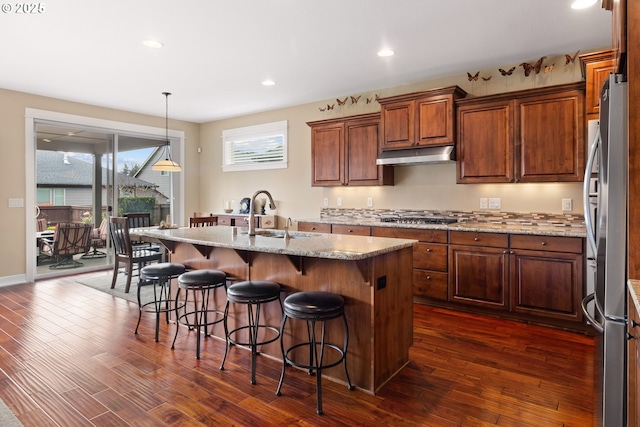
(137, 220)
(126, 253)
(206, 221)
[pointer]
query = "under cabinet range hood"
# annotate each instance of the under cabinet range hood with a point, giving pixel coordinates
(417, 156)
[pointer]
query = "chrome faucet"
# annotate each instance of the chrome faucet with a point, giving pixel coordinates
(288, 223)
(252, 215)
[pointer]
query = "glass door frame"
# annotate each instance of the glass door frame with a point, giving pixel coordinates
(35, 116)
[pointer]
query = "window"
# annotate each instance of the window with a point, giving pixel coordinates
(255, 147)
(50, 196)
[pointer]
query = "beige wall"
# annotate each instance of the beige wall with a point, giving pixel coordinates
(422, 187)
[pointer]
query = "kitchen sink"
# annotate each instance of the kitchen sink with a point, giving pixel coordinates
(279, 234)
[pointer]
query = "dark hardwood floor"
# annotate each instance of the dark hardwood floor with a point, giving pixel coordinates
(68, 357)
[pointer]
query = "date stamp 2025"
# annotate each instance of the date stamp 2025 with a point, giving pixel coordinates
(23, 8)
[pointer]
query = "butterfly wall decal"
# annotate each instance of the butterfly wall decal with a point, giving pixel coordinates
(474, 77)
(506, 72)
(536, 67)
(377, 97)
(342, 102)
(322, 109)
(369, 100)
(570, 59)
(355, 100)
(486, 79)
(330, 107)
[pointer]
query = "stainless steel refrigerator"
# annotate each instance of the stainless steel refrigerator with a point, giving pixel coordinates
(607, 237)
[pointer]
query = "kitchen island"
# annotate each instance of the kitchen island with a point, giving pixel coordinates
(373, 274)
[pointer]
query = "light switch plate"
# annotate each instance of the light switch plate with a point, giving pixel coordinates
(369, 202)
(484, 204)
(339, 201)
(494, 203)
(16, 203)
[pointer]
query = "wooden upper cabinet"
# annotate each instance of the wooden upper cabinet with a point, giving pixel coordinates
(419, 119)
(485, 142)
(327, 154)
(344, 152)
(550, 137)
(596, 68)
(535, 135)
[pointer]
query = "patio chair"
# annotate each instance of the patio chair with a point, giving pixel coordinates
(68, 240)
(126, 253)
(98, 240)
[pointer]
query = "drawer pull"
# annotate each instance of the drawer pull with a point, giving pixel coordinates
(428, 277)
(544, 243)
(476, 239)
(428, 249)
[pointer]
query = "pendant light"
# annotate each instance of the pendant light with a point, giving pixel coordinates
(166, 165)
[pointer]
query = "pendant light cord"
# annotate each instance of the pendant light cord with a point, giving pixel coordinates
(166, 124)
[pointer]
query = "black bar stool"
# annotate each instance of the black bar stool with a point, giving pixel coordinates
(314, 307)
(253, 293)
(159, 275)
(200, 283)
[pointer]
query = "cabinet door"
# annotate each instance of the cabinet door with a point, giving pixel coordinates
(362, 146)
(479, 276)
(327, 155)
(549, 135)
(398, 125)
(485, 142)
(633, 366)
(547, 284)
(434, 120)
(597, 67)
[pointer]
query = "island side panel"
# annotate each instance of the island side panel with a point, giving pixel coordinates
(393, 313)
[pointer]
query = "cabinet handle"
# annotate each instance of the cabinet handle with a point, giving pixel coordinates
(428, 249)
(428, 277)
(544, 243)
(634, 323)
(505, 251)
(476, 239)
(630, 337)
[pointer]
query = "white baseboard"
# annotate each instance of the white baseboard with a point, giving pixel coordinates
(13, 280)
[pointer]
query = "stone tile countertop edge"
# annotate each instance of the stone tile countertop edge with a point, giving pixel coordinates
(313, 245)
(570, 225)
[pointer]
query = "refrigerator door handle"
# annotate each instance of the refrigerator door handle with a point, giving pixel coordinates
(588, 221)
(597, 326)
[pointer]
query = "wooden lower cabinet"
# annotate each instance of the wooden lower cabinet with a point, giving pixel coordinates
(315, 227)
(355, 230)
(479, 269)
(430, 259)
(546, 276)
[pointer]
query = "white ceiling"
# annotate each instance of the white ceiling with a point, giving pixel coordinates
(216, 53)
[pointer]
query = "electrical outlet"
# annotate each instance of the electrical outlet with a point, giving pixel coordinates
(483, 203)
(567, 205)
(369, 202)
(339, 201)
(325, 202)
(494, 203)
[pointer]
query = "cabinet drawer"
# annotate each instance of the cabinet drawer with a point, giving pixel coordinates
(224, 220)
(315, 227)
(356, 230)
(547, 243)
(435, 236)
(430, 256)
(432, 284)
(479, 239)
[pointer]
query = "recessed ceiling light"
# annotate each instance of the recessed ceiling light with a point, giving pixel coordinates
(386, 52)
(268, 83)
(152, 44)
(582, 4)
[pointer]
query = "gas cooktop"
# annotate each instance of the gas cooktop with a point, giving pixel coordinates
(419, 220)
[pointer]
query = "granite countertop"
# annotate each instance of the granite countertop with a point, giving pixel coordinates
(315, 245)
(533, 224)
